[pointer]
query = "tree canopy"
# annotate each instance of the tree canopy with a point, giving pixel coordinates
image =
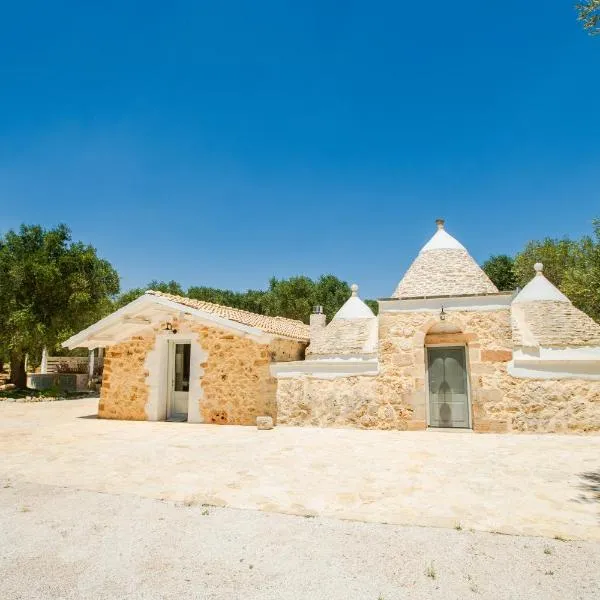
(50, 288)
(588, 12)
(571, 265)
(293, 297)
(500, 269)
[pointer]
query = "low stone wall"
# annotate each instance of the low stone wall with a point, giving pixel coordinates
(63, 382)
(506, 403)
(340, 402)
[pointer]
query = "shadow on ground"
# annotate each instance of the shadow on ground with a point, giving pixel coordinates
(590, 487)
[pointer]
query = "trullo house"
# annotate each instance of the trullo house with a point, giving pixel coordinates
(447, 350)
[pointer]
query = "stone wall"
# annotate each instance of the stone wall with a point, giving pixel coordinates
(236, 385)
(500, 402)
(339, 402)
(124, 391)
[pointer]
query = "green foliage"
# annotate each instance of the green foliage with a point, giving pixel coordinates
(373, 305)
(50, 288)
(588, 12)
(572, 265)
(251, 300)
(293, 298)
(500, 269)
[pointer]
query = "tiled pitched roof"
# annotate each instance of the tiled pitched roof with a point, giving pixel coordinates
(280, 326)
(553, 323)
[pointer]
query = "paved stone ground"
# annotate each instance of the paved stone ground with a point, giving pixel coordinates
(516, 484)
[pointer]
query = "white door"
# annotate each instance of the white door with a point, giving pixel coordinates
(448, 387)
(179, 380)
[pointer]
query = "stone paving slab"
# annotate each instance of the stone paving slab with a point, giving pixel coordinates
(515, 484)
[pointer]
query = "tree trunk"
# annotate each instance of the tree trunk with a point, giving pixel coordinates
(18, 376)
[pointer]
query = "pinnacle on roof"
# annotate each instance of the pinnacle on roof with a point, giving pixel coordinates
(354, 307)
(442, 240)
(540, 289)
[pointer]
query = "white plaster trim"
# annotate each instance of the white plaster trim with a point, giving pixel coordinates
(542, 370)
(548, 353)
(555, 363)
(451, 303)
(341, 357)
(325, 368)
(156, 364)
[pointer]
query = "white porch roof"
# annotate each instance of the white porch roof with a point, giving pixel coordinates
(146, 312)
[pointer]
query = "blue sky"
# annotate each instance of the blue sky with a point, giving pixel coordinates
(221, 143)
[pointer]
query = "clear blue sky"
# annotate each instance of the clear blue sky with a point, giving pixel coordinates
(220, 143)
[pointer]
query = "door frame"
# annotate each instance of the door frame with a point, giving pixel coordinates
(169, 374)
(468, 374)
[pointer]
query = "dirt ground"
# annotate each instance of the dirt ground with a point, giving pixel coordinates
(107, 509)
(62, 543)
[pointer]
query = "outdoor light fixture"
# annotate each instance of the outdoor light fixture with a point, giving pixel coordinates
(442, 314)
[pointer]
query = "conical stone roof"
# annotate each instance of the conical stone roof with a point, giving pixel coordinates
(352, 331)
(543, 316)
(444, 268)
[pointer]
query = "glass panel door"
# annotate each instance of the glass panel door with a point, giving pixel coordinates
(179, 379)
(448, 388)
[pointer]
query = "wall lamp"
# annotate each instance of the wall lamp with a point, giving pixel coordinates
(169, 327)
(442, 314)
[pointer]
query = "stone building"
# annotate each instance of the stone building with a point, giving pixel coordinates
(447, 350)
(451, 352)
(170, 357)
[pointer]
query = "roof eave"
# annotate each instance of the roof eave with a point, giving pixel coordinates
(89, 336)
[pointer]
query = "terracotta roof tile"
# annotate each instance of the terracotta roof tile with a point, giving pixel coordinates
(289, 328)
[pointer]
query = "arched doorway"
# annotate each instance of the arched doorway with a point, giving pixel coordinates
(447, 377)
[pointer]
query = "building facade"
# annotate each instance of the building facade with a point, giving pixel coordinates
(452, 351)
(446, 351)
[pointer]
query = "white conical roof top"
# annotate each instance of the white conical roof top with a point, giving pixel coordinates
(540, 289)
(353, 331)
(543, 316)
(354, 307)
(444, 268)
(442, 240)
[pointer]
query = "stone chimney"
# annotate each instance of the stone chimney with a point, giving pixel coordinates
(317, 322)
(440, 223)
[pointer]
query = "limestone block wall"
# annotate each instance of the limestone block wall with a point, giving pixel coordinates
(236, 385)
(500, 402)
(340, 402)
(124, 391)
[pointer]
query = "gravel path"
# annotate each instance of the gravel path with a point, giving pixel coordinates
(60, 542)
